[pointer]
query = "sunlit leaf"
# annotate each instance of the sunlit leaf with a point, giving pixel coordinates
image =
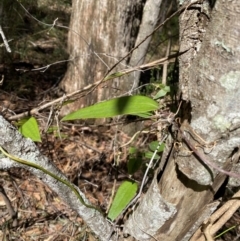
(127, 105)
(30, 129)
(124, 195)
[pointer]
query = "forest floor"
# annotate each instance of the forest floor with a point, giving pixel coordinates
(92, 156)
(85, 153)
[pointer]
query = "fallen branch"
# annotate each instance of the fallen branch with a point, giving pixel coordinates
(12, 141)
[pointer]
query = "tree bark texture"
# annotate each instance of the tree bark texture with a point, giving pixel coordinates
(210, 86)
(213, 93)
(101, 33)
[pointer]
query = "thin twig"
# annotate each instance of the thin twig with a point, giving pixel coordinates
(91, 86)
(165, 66)
(5, 40)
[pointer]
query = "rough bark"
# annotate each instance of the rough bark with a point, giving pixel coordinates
(212, 91)
(102, 32)
(210, 88)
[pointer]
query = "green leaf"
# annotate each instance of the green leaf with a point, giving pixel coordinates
(162, 92)
(29, 128)
(149, 155)
(127, 105)
(154, 145)
(52, 129)
(134, 164)
(132, 150)
(144, 115)
(124, 195)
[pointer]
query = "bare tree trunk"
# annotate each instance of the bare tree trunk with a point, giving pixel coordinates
(149, 19)
(211, 90)
(102, 32)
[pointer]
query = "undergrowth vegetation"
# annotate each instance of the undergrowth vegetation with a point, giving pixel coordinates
(37, 34)
(37, 62)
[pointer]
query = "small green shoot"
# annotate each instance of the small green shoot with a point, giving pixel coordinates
(132, 150)
(68, 102)
(225, 231)
(56, 132)
(153, 147)
(124, 195)
(162, 92)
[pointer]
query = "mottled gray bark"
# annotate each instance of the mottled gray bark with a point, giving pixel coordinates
(211, 90)
(209, 76)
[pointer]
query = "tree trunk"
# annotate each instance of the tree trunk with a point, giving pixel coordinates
(101, 33)
(210, 86)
